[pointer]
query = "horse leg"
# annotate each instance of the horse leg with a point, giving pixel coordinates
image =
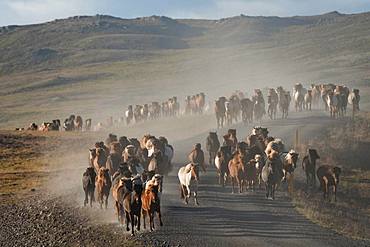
(117, 212)
(101, 200)
(196, 198)
(143, 212)
(232, 184)
(188, 194)
(127, 220)
(151, 221)
(132, 216)
(240, 185)
(160, 217)
(91, 197)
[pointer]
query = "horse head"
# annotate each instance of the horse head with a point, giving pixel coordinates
(293, 156)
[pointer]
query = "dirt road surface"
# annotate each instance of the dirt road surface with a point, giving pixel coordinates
(222, 219)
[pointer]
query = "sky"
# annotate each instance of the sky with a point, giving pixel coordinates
(19, 12)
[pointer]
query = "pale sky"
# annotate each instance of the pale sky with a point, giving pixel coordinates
(36, 11)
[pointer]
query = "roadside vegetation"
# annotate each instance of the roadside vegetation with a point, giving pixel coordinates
(346, 146)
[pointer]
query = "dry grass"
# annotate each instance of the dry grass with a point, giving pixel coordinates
(26, 161)
(21, 167)
(348, 147)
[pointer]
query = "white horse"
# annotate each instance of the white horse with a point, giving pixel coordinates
(189, 176)
(298, 100)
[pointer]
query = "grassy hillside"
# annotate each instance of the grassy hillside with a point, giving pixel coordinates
(96, 65)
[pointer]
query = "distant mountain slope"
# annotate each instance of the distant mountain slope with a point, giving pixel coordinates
(46, 44)
(56, 44)
(97, 65)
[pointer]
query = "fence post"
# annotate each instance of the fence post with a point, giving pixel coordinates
(296, 141)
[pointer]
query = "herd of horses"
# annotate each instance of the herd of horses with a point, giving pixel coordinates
(331, 97)
(228, 110)
(262, 159)
(133, 171)
(194, 104)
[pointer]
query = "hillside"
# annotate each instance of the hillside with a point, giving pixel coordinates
(60, 64)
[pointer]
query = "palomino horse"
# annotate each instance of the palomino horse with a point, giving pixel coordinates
(150, 205)
(189, 176)
(236, 171)
(103, 185)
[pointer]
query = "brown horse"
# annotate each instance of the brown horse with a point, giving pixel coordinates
(212, 145)
(136, 203)
(309, 166)
(103, 184)
(221, 162)
(151, 205)
(122, 194)
(328, 176)
(100, 159)
(88, 184)
(236, 170)
(251, 174)
(220, 111)
(289, 164)
(78, 123)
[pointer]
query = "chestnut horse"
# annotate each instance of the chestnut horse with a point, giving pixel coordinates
(103, 185)
(236, 170)
(122, 194)
(150, 205)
